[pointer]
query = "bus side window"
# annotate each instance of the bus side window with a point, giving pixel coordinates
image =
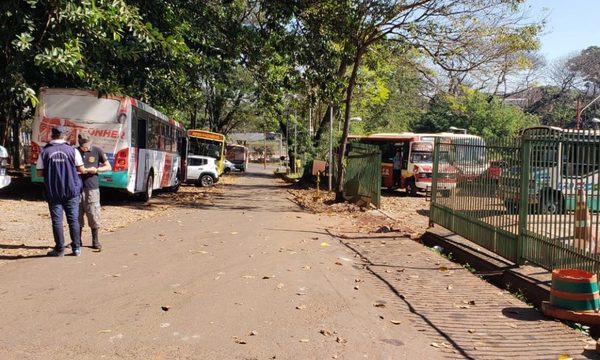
(134, 127)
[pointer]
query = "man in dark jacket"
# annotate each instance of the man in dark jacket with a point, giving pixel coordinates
(94, 161)
(60, 164)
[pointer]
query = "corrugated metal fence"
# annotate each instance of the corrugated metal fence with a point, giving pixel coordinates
(533, 199)
(362, 180)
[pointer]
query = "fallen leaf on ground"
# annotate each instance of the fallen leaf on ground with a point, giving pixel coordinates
(198, 252)
(105, 331)
(325, 332)
(165, 307)
(325, 244)
(304, 340)
(338, 263)
(396, 322)
(280, 286)
(253, 333)
(379, 305)
(443, 268)
(341, 340)
(301, 307)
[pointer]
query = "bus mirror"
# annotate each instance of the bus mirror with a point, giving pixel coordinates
(121, 118)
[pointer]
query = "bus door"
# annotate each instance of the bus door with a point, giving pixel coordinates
(182, 148)
(142, 156)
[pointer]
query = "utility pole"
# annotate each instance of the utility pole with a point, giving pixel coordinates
(578, 115)
(295, 143)
(310, 128)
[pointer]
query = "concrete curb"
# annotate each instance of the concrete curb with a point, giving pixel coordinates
(492, 267)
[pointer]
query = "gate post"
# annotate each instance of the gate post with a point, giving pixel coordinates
(524, 197)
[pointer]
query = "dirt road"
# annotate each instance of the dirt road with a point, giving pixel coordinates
(246, 276)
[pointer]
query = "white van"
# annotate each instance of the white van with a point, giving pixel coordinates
(4, 177)
(202, 170)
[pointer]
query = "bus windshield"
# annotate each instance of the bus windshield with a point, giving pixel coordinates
(421, 157)
(205, 147)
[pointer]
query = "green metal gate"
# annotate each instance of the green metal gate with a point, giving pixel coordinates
(535, 199)
(362, 180)
(464, 193)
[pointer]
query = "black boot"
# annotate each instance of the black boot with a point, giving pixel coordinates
(95, 242)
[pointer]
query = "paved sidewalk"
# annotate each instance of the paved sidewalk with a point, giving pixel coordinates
(462, 314)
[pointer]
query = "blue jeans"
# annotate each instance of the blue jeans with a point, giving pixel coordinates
(71, 209)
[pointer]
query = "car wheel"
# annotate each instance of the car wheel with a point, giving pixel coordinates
(148, 193)
(511, 207)
(206, 180)
(550, 204)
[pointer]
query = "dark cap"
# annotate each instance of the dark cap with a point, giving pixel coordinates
(83, 138)
(59, 130)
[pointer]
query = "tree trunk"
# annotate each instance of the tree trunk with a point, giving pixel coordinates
(339, 185)
(324, 123)
(16, 148)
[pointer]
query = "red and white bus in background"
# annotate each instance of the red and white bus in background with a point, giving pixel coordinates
(146, 150)
(417, 159)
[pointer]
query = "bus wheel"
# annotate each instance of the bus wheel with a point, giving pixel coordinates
(148, 193)
(411, 188)
(206, 180)
(551, 203)
(175, 188)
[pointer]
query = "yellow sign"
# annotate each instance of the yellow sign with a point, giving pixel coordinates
(206, 135)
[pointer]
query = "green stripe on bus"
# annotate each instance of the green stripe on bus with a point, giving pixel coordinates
(34, 178)
(575, 304)
(119, 180)
(574, 287)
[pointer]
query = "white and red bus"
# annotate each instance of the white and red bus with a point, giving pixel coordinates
(238, 155)
(417, 160)
(145, 148)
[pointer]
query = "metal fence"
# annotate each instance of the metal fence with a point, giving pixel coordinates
(533, 199)
(362, 180)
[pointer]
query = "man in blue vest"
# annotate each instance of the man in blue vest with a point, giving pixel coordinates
(60, 164)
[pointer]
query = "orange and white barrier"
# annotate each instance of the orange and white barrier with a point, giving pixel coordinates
(584, 239)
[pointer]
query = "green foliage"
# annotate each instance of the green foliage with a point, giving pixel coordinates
(477, 112)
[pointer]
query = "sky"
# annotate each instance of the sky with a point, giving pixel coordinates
(571, 25)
